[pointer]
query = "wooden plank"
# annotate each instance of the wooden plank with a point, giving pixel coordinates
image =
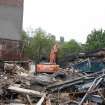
(25, 91)
(93, 86)
(29, 100)
(40, 102)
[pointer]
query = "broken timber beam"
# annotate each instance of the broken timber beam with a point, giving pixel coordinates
(29, 100)
(95, 83)
(25, 91)
(67, 83)
(40, 102)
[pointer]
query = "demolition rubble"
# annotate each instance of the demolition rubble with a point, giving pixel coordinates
(68, 86)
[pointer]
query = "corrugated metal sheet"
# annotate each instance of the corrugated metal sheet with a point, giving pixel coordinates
(12, 2)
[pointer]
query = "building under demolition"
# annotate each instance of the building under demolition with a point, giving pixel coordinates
(11, 19)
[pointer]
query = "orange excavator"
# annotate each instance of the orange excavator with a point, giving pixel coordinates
(50, 67)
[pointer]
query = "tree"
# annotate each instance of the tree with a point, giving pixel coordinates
(26, 44)
(39, 45)
(71, 47)
(95, 40)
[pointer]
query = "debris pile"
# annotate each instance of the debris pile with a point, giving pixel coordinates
(65, 87)
(82, 90)
(15, 86)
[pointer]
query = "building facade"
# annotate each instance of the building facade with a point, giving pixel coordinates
(11, 19)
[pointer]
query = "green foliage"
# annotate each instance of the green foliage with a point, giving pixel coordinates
(26, 46)
(24, 36)
(95, 40)
(71, 47)
(39, 45)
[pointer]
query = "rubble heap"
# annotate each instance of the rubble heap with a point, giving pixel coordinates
(65, 87)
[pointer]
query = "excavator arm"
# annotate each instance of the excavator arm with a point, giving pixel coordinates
(50, 67)
(53, 54)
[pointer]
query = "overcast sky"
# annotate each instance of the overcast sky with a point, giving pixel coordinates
(73, 19)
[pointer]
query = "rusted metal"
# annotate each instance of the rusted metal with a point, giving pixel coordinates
(10, 49)
(47, 68)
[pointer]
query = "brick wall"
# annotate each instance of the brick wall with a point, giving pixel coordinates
(10, 49)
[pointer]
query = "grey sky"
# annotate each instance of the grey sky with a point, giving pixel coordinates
(73, 19)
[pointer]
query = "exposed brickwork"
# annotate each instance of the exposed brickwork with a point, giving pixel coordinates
(18, 3)
(10, 49)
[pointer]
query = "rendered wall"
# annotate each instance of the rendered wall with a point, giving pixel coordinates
(11, 19)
